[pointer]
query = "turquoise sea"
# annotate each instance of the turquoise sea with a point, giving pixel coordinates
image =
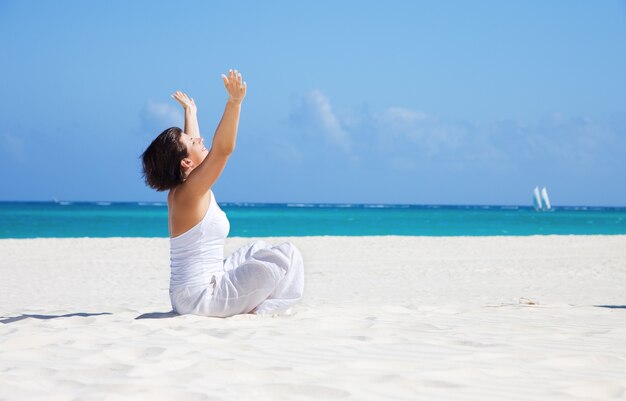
(105, 219)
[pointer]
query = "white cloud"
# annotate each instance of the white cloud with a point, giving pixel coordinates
(399, 116)
(157, 116)
(407, 139)
(555, 139)
(316, 112)
(573, 139)
(425, 133)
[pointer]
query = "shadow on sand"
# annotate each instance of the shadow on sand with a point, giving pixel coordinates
(611, 306)
(14, 319)
(157, 315)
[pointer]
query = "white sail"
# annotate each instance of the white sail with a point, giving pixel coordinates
(546, 200)
(537, 199)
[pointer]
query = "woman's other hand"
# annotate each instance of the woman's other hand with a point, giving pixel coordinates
(235, 86)
(185, 101)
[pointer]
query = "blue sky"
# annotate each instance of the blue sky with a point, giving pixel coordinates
(355, 101)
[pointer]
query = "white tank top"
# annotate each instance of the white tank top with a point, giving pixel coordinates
(197, 254)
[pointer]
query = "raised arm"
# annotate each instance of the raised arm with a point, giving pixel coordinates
(226, 133)
(202, 178)
(191, 113)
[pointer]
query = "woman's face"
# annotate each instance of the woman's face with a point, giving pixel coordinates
(195, 148)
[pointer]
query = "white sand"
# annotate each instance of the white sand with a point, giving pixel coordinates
(382, 318)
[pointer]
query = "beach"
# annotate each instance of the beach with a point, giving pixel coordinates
(388, 317)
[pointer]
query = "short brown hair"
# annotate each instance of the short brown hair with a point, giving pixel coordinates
(161, 160)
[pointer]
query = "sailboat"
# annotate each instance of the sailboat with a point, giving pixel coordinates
(541, 201)
(546, 200)
(537, 200)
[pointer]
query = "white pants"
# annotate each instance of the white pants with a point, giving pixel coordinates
(257, 278)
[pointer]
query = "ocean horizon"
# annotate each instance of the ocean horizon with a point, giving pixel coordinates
(149, 219)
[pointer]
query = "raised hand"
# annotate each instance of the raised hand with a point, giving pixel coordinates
(185, 101)
(235, 86)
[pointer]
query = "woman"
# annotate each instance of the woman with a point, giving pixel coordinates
(256, 278)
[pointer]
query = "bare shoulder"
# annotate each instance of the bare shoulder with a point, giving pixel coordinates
(185, 210)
